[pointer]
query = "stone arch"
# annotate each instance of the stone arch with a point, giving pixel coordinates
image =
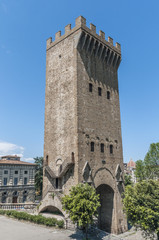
(105, 184)
(105, 211)
(51, 209)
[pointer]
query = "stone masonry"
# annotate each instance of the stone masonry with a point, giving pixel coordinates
(82, 140)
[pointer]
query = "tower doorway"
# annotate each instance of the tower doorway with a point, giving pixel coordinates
(105, 212)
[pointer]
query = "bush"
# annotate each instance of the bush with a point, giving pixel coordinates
(39, 219)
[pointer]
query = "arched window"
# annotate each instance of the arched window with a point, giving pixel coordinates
(102, 147)
(90, 87)
(108, 95)
(111, 149)
(92, 146)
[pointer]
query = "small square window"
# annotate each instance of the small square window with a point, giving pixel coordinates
(108, 95)
(99, 91)
(5, 171)
(16, 172)
(102, 147)
(90, 87)
(92, 146)
(25, 172)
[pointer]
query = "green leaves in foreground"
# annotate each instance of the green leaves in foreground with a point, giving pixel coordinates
(81, 204)
(141, 204)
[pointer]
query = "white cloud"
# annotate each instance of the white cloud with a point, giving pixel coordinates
(7, 148)
(31, 160)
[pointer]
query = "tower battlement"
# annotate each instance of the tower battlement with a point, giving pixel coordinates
(80, 23)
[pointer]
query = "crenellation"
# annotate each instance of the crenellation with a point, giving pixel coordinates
(102, 35)
(93, 28)
(48, 42)
(110, 40)
(67, 28)
(57, 35)
(80, 21)
(118, 46)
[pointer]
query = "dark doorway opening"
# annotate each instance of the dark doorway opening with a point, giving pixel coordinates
(106, 210)
(14, 199)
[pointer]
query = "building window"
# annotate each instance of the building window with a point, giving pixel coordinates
(25, 172)
(24, 198)
(4, 197)
(57, 183)
(92, 146)
(102, 147)
(111, 149)
(90, 87)
(25, 181)
(15, 181)
(5, 181)
(108, 95)
(16, 172)
(5, 171)
(47, 160)
(99, 91)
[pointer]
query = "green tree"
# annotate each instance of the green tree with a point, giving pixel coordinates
(151, 161)
(127, 180)
(81, 205)
(140, 170)
(39, 174)
(141, 204)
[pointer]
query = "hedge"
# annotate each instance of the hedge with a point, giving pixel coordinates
(39, 219)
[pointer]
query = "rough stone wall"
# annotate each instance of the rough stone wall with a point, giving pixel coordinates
(60, 106)
(99, 122)
(75, 117)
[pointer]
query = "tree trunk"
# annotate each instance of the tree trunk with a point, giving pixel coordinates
(86, 230)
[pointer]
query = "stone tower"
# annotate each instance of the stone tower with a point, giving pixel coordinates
(82, 121)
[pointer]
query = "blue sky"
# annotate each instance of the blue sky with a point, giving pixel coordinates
(24, 28)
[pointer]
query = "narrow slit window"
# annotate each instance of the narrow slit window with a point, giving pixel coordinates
(102, 147)
(90, 87)
(92, 146)
(111, 149)
(108, 95)
(99, 91)
(57, 183)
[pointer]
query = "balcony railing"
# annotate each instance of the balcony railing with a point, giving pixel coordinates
(17, 206)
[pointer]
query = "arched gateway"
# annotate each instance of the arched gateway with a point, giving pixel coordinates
(82, 120)
(106, 209)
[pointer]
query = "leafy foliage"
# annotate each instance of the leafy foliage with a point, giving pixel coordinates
(127, 180)
(140, 170)
(81, 204)
(39, 219)
(149, 168)
(39, 174)
(141, 204)
(152, 161)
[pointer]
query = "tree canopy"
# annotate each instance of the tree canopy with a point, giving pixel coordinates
(39, 174)
(81, 204)
(141, 203)
(149, 168)
(127, 180)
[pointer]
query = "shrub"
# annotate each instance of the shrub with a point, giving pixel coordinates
(39, 219)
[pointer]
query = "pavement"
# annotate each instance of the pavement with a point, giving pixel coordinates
(12, 229)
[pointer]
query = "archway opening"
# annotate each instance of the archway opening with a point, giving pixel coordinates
(51, 210)
(105, 211)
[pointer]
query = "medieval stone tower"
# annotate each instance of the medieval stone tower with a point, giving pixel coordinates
(82, 121)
